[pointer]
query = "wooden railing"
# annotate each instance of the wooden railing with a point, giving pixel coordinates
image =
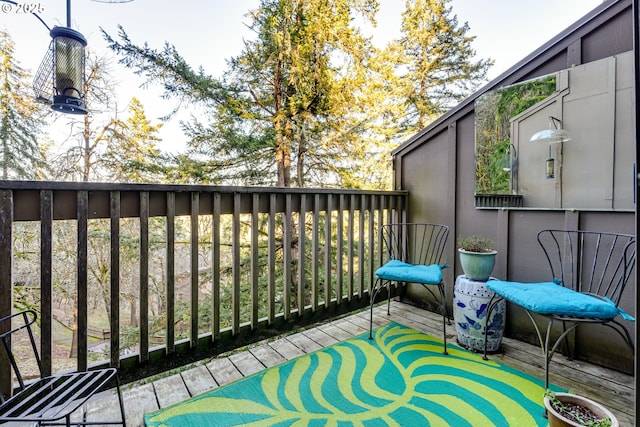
(173, 274)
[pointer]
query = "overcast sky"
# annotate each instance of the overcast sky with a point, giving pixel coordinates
(209, 32)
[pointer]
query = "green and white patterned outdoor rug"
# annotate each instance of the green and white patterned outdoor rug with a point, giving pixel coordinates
(400, 378)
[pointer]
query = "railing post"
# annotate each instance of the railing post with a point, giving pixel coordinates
(235, 269)
(6, 296)
(195, 271)
(271, 259)
(286, 256)
(144, 276)
(114, 322)
(302, 254)
(171, 271)
(46, 280)
(255, 273)
(215, 266)
(81, 308)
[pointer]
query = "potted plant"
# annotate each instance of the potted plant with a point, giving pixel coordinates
(477, 257)
(570, 410)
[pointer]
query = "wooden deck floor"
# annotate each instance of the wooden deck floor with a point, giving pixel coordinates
(609, 387)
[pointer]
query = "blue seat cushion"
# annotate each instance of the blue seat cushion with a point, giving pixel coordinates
(404, 272)
(551, 298)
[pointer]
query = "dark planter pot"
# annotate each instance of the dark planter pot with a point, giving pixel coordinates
(477, 265)
(558, 420)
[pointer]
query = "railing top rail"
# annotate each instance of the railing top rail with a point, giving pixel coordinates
(29, 198)
(104, 186)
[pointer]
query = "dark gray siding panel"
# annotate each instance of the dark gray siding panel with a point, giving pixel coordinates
(437, 166)
(427, 181)
(613, 37)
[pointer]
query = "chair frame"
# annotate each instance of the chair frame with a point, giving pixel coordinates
(417, 244)
(51, 399)
(590, 262)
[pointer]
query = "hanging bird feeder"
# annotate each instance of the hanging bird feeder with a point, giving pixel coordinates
(60, 77)
(68, 70)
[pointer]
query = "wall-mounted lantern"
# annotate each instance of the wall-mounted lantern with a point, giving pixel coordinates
(509, 161)
(554, 135)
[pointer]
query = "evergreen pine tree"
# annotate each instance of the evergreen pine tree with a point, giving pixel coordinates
(20, 118)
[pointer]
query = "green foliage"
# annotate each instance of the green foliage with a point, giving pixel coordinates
(133, 155)
(493, 112)
(20, 119)
(475, 244)
(310, 100)
(437, 59)
(500, 178)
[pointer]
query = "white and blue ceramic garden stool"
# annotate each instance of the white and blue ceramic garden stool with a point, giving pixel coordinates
(470, 303)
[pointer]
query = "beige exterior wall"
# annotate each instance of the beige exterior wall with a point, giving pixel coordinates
(594, 170)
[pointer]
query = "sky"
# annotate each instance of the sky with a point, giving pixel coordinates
(209, 32)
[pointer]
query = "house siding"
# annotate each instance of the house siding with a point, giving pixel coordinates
(437, 167)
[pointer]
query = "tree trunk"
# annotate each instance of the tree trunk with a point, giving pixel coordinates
(87, 151)
(283, 153)
(134, 311)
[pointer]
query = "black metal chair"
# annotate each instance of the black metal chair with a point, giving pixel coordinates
(50, 400)
(414, 254)
(589, 271)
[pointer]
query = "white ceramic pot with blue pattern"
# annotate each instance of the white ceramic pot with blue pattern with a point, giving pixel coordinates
(470, 304)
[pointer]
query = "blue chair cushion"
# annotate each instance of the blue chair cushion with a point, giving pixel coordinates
(551, 298)
(404, 272)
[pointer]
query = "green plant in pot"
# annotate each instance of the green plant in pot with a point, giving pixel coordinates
(477, 257)
(570, 410)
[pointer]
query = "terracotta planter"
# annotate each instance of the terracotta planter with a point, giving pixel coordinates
(557, 420)
(477, 265)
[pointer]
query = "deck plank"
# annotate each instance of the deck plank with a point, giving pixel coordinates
(223, 371)
(138, 401)
(286, 348)
(614, 389)
(335, 332)
(170, 390)
(198, 380)
(246, 363)
(267, 355)
(304, 343)
(321, 337)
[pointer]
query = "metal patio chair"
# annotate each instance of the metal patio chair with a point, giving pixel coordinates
(414, 254)
(589, 271)
(49, 400)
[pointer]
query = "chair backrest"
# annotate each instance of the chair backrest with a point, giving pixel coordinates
(415, 243)
(598, 263)
(17, 327)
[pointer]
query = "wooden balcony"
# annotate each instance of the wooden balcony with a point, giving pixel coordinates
(217, 268)
(611, 388)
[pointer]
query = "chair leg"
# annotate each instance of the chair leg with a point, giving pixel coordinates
(548, 350)
(495, 299)
(372, 300)
(547, 354)
(569, 350)
(445, 318)
(124, 421)
(443, 310)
